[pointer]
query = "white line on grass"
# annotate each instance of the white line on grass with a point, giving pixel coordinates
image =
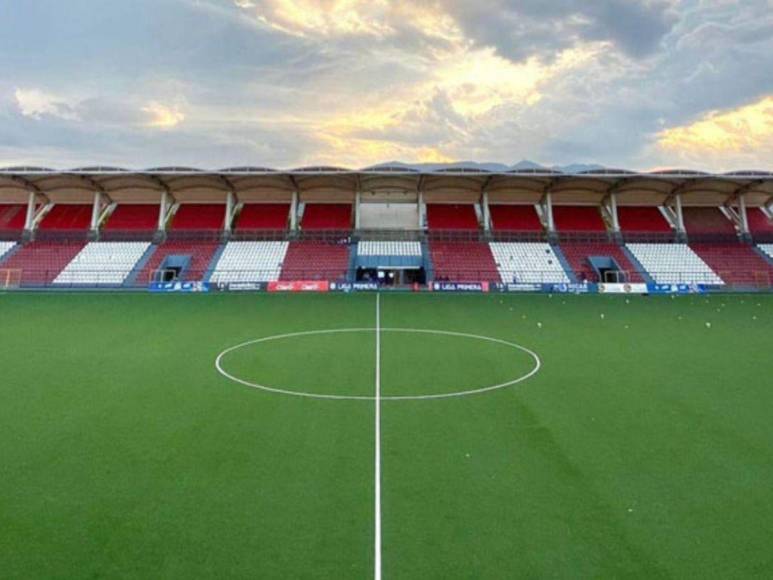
(377, 547)
(298, 393)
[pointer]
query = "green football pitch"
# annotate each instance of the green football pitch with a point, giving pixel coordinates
(610, 437)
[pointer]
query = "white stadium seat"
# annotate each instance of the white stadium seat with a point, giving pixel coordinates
(103, 263)
(673, 264)
(767, 248)
(530, 263)
(6, 247)
(250, 262)
(389, 249)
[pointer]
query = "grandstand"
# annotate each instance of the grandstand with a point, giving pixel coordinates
(466, 226)
(240, 435)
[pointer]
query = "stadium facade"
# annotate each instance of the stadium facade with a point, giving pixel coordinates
(454, 228)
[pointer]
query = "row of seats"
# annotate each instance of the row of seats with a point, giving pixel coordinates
(389, 249)
(250, 262)
(736, 264)
(673, 264)
(318, 216)
(315, 261)
(113, 262)
(528, 263)
(12, 216)
(103, 263)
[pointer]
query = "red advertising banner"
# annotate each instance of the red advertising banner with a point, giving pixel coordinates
(300, 286)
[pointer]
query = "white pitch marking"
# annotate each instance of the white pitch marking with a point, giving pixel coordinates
(377, 547)
(295, 393)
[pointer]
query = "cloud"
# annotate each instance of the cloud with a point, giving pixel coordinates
(37, 104)
(163, 116)
(724, 138)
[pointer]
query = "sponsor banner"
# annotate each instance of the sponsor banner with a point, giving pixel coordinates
(623, 289)
(300, 286)
(459, 287)
(179, 287)
(354, 287)
(676, 288)
(242, 286)
(519, 287)
(570, 288)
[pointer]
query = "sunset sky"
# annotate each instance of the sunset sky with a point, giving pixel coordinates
(287, 83)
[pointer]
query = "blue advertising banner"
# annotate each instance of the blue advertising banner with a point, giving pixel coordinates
(571, 288)
(179, 287)
(676, 288)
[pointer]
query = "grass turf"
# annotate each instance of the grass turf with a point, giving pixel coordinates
(643, 448)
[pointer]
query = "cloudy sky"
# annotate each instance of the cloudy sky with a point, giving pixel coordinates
(639, 84)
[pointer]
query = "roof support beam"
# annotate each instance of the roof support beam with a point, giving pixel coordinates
(546, 204)
(486, 210)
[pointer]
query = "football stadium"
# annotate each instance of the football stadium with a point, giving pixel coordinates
(386, 289)
(385, 373)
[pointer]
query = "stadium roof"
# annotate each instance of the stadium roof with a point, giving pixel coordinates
(521, 184)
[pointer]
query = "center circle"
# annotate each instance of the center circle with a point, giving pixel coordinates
(219, 364)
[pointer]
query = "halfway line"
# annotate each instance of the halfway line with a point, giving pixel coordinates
(377, 547)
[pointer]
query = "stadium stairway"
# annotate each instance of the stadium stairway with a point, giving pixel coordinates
(766, 251)
(637, 265)
(429, 268)
(132, 279)
(564, 263)
(200, 254)
(578, 256)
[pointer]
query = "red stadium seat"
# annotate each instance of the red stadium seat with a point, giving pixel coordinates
(707, 221)
(522, 218)
(133, 217)
(41, 262)
(67, 218)
(452, 217)
(642, 220)
(463, 262)
(12, 216)
(759, 225)
(327, 216)
(263, 216)
(315, 261)
(199, 216)
(578, 219)
(736, 264)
